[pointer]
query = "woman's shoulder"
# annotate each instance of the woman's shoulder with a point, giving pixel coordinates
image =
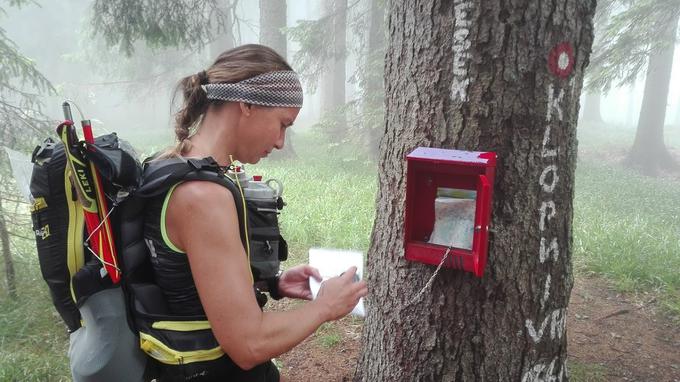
(200, 194)
(196, 207)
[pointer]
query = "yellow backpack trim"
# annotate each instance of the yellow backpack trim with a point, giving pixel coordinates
(181, 326)
(76, 225)
(38, 204)
(164, 354)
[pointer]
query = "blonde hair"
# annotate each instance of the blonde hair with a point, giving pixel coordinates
(231, 66)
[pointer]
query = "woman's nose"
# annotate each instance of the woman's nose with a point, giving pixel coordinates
(279, 142)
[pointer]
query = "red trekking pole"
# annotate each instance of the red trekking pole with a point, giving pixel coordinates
(87, 183)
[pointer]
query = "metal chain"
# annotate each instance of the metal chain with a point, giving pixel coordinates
(431, 280)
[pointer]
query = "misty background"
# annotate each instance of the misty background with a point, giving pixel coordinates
(120, 62)
(126, 93)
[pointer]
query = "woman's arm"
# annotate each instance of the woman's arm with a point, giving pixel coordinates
(202, 220)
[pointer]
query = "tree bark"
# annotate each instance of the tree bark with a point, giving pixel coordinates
(649, 153)
(334, 77)
(10, 275)
(591, 108)
(374, 96)
(474, 75)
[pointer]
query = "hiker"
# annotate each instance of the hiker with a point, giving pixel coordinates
(238, 109)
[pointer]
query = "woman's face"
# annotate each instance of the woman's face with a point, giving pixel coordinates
(262, 129)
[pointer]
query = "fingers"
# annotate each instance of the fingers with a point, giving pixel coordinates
(348, 275)
(313, 272)
(360, 289)
(363, 288)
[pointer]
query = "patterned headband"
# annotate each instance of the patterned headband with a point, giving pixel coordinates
(275, 89)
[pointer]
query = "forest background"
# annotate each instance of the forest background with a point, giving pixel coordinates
(122, 75)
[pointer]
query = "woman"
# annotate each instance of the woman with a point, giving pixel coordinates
(236, 110)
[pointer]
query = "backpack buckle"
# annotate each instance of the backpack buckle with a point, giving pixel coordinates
(203, 164)
(194, 163)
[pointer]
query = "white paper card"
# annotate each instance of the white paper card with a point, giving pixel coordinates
(331, 263)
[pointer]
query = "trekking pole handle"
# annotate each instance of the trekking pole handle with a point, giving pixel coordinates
(67, 111)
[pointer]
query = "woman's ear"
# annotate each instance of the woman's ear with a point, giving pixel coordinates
(246, 108)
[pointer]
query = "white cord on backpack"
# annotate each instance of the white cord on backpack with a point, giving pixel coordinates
(87, 241)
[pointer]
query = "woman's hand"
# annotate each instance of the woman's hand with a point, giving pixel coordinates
(339, 295)
(294, 282)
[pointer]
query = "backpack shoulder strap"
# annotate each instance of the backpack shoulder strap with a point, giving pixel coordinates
(160, 175)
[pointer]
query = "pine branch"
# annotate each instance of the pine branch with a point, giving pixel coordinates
(15, 66)
(159, 23)
(633, 31)
(21, 236)
(12, 200)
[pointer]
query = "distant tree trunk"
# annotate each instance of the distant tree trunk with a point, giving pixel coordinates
(375, 91)
(591, 108)
(333, 85)
(649, 153)
(474, 75)
(326, 85)
(224, 30)
(272, 21)
(10, 275)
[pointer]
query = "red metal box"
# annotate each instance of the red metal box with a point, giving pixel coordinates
(448, 205)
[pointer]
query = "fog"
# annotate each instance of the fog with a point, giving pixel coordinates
(123, 93)
(620, 236)
(126, 93)
(621, 106)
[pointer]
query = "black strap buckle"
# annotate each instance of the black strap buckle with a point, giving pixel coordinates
(203, 164)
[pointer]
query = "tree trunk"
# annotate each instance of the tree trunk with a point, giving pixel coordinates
(10, 275)
(333, 85)
(326, 85)
(591, 108)
(474, 75)
(677, 115)
(632, 111)
(272, 21)
(649, 153)
(374, 96)
(224, 30)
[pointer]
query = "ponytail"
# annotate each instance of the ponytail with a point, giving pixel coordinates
(195, 105)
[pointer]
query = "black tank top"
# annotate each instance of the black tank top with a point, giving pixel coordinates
(170, 264)
(172, 274)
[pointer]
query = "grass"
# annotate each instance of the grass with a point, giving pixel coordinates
(33, 340)
(330, 199)
(328, 336)
(586, 372)
(627, 228)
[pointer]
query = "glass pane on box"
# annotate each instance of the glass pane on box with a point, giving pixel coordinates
(454, 211)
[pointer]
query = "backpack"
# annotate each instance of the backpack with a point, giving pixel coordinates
(109, 323)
